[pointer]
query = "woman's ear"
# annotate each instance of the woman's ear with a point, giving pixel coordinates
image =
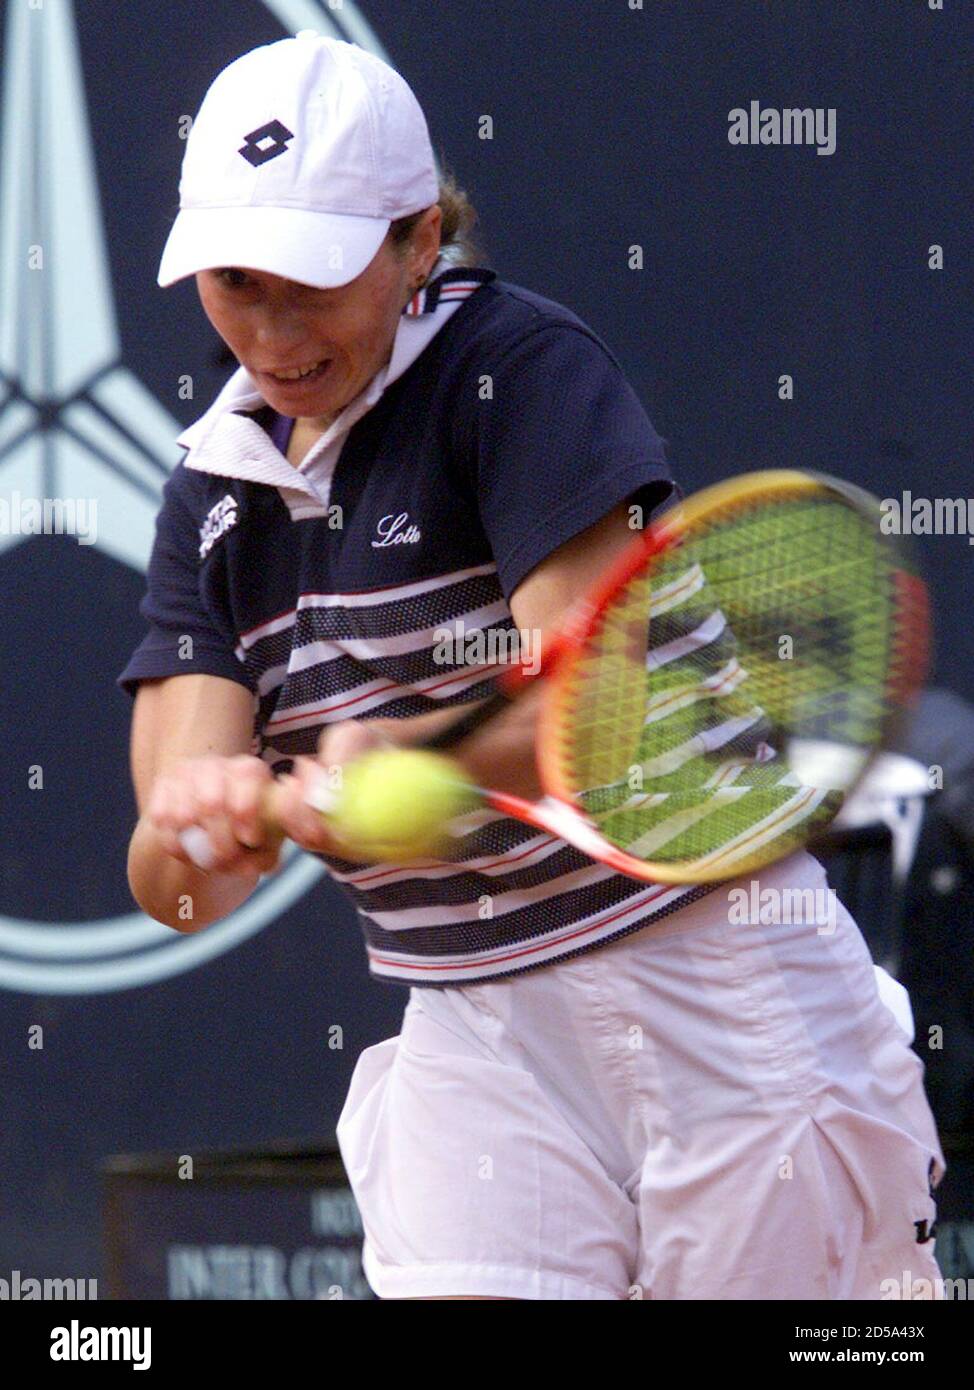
(426, 242)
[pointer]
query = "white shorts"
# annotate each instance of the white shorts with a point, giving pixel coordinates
(701, 1110)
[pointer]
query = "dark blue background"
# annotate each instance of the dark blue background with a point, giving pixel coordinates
(610, 129)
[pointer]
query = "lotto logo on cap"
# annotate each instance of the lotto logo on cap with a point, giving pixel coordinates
(302, 154)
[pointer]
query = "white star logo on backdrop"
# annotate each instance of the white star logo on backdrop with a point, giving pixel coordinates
(75, 422)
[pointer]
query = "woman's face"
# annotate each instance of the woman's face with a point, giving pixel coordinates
(276, 327)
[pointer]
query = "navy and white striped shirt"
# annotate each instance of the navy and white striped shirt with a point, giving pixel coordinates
(501, 427)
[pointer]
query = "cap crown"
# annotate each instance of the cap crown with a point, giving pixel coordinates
(313, 123)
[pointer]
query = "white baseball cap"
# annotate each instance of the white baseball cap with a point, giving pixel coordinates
(303, 153)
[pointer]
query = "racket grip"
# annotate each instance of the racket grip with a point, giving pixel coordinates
(199, 847)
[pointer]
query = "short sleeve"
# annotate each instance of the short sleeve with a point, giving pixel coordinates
(562, 440)
(183, 637)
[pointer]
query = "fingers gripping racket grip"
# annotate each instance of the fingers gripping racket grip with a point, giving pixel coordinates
(200, 848)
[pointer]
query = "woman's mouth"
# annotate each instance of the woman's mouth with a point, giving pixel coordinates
(299, 376)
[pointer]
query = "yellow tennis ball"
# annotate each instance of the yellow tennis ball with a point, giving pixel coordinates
(394, 803)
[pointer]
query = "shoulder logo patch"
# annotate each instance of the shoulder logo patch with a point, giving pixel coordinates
(218, 521)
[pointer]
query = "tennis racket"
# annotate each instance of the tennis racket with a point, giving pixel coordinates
(708, 706)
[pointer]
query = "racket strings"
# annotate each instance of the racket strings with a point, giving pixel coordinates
(732, 691)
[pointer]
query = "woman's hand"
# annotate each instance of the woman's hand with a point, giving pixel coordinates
(222, 795)
(225, 797)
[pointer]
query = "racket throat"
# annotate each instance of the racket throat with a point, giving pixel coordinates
(570, 825)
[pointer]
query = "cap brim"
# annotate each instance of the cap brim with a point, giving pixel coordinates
(315, 248)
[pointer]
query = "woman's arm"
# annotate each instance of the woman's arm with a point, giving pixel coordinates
(190, 737)
(191, 716)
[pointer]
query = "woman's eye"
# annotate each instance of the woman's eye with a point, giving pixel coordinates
(233, 278)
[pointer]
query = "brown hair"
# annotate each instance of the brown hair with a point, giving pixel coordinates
(458, 243)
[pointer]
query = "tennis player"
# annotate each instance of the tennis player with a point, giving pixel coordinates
(602, 1089)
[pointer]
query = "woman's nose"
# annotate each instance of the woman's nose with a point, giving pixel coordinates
(279, 328)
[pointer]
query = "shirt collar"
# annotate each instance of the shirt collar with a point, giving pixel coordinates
(445, 284)
(225, 440)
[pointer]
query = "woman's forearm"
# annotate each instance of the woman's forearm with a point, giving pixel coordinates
(500, 755)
